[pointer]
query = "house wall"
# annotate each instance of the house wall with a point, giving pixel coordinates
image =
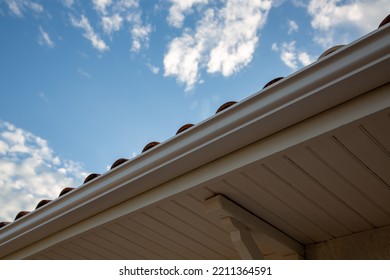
(371, 244)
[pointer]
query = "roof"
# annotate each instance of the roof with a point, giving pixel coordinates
(283, 153)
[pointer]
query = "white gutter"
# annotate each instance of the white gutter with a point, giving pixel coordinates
(345, 74)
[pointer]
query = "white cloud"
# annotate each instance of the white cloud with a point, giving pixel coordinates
(113, 9)
(34, 6)
(3, 147)
(89, 33)
(114, 15)
(84, 73)
(126, 4)
(292, 26)
(139, 31)
(101, 5)
(288, 55)
(241, 21)
(112, 23)
(275, 47)
(183, 60)
(68, 3)
(44, 38)
(42, 95)
(326, 13)
(18, 7)
(154, 69)
(332, 18)
(179, 8)
(15, 8)
(223, 42)
(305, 58)
(206, 107)
(30, 171)
(291, 57)
(140, 34)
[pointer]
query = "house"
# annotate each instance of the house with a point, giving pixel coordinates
(300, 170)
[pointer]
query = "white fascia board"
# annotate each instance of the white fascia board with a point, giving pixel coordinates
(345, 74)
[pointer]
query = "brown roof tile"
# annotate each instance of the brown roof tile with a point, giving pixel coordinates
(149, 146)
(225, 106)
(184, 127)
(65, 191)
(330, 50)
(3, 224)
(43, 202)
(118, 162)
(273, 81)
(90, 177)
(385, 21)
(21, 214)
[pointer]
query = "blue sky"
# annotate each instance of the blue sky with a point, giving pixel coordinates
(83, 83)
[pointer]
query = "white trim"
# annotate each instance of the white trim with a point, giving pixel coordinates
(242, 240)
(238, 220)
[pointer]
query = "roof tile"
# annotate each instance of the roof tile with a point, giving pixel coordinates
(43, 202)
(21, 214)
(65, 191)
(225, 106)
(273, 81)
(149, 146)
(3, 224)
(184, 127)
(90, 177)
(385, 21)
(118, 162)
(330, 50)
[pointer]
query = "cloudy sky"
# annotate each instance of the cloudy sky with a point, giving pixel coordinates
(83, 83)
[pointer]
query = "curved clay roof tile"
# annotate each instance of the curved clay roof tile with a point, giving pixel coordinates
(90, 177)
(272, 82)
(21, 214)
(385, 21)
(184, 127)
(65, 191)
(43, 202)
(330, 50)
(118, 162)
(3, 224)
(149, 146)
(225, 106)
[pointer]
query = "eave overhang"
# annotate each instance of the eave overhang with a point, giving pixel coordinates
(342, 76)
